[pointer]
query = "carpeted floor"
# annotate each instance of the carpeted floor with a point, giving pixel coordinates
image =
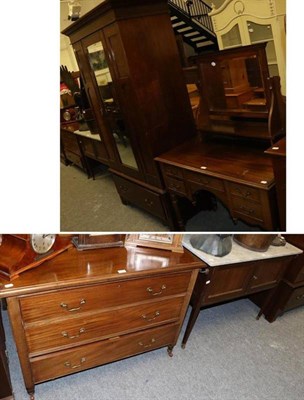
(229, 356)
(89, 205)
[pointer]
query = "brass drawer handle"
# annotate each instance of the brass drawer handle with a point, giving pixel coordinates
(246, 210)
(149, 202)
(69, 365)
(244, 194)
(150, 290)
(301, 296)
(123, 188)
(147, 345)
(174, 186)
(204, 182)
(66, 335)
(146, 317)
(66, 306)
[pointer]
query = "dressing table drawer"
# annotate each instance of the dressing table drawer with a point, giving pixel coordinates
(243, 191)
(248, 209)
(206, 181)
(171, 170)
(176, 185)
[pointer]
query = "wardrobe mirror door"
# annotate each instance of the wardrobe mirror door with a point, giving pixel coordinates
(111, 110)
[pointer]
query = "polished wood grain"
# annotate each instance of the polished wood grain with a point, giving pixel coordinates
(87, 356)
(85, 308)
(237, 162)
(17, 254)
(237, 173)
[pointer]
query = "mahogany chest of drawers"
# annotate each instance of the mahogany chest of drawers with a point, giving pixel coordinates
(84, 309)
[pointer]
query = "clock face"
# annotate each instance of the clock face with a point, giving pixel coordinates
(42, 243)
(67, 116)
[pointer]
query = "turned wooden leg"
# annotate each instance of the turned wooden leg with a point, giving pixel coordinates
(170, 350)
(180, 221)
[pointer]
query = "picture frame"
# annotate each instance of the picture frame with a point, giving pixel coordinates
(97, 241)
(172, 242)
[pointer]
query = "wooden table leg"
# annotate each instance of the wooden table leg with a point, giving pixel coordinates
(180, 221)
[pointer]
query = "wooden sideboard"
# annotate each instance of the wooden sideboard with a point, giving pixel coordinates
(246, 273)
(239, 176)
(84, 309)
(290, 292)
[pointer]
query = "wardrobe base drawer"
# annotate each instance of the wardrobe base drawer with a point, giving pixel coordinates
(88, 356)
(140, 196)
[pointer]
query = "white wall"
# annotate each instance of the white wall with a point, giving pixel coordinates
(67, 57)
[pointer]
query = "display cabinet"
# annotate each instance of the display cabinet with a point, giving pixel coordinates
(244, 22)
(130, 68)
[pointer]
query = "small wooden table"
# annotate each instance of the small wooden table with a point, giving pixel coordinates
(241, 273)
(239, 175)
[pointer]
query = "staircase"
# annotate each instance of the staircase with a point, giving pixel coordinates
(190, 19)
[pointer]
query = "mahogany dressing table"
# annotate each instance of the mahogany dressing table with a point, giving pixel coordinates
(240, 114)
(239, 175)
(87, 308)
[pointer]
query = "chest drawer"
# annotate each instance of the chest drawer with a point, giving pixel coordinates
(243, 191)
(45, 337)
(296, 299)
(206, 181)
(87, 356)
(68, 303)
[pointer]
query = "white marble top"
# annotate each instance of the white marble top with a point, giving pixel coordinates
(240, 254)
(88, 134)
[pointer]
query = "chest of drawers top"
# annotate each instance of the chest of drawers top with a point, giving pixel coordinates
(80, 268)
